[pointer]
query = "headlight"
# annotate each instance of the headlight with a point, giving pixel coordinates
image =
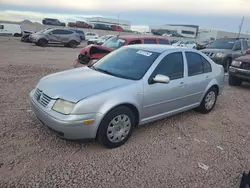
(219, 54)
(236, 63)
(63, 106)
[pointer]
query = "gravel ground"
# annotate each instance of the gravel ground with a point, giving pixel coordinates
(161, 154)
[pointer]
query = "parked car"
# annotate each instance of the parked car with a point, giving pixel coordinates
(224, 51)
(82, 24)
(117, 28)
(80, 33)
(131, 86)
(90, 35)
(94, 52)
(52, 21)
(203, 44)
(100, 40)
(71, 24)
(25, 36)
(187, 44)
(174, 41)
(65, 37)
(102, 26)
(10, 30)
(239, 70)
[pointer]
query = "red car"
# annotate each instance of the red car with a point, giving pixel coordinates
(79, 24)
(116, 28)
(95, 52)
(82, 24)
(239, 70)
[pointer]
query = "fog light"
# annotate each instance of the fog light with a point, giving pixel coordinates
(88, 122)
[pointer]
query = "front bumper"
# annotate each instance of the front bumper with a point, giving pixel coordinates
(66, 126)
(240, 73)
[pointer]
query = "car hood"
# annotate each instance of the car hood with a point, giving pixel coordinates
(216, 50)
(77, 84)
(245, 59)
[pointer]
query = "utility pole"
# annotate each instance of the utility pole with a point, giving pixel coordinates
(240, 27)
(118, 18)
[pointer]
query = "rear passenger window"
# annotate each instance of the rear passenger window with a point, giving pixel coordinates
(162, 41)
(135, 42)
(150, 41)
(66, 32)
(56, 32)
(172, 66)
(194, 63)
(206, 65)
(245, 45)
(197, 64)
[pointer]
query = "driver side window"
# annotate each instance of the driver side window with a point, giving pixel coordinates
(171, 65)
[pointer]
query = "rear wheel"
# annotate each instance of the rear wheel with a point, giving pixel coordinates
(73, 44)
(208, 101)
(116, 127)
(234, 81)
(43, 42)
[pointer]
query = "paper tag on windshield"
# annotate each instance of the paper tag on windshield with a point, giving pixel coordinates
(144, 53)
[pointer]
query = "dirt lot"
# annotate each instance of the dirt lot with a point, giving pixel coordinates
(162, 154)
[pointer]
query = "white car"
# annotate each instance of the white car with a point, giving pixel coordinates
(188, 44)
(10, 29)
(90, 35)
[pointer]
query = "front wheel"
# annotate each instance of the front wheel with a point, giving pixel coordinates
(208, 101)
(43, 42)
(234, 81)
(116, 127)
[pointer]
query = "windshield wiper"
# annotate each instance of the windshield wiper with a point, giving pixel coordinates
(105, 71)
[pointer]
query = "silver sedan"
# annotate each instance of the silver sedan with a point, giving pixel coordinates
(131, 86)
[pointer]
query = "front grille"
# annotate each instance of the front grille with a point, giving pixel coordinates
(84, 59)
(42, 98)
(245, 66)
(209, 54)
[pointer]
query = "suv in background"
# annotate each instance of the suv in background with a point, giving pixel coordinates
(92, 52)
(65, 37)
(224, 51)
(52, 21)
(239, 70)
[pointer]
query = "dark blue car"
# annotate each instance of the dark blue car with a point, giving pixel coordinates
(80, 33)
(52, 21)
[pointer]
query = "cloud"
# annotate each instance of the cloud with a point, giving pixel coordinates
(220, 7)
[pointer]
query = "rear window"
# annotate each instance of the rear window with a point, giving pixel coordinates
(162, 41)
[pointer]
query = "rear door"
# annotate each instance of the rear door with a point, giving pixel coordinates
(55, 36)
(199, 74)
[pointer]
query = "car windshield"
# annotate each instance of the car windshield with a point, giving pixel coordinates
(222, 44)
(114, 43)
(128, 63)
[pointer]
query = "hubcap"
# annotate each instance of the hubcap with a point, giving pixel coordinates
(210, 100)
(119, 128)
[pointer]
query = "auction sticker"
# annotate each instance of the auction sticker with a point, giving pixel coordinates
(144, 53)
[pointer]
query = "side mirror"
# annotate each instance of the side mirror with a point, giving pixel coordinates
(159, 78)
(248, 52)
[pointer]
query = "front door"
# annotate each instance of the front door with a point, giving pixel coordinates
(161, 99)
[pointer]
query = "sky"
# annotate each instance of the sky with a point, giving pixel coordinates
(219, 14)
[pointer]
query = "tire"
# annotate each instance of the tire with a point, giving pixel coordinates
(209, 101)
(43, 42)
(234, 81)
(227, 64)
(73, 44)
(111, 135)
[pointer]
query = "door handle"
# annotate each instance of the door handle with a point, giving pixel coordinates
(182, 84)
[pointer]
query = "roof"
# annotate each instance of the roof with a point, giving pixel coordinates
(142, 37)
(159, 48)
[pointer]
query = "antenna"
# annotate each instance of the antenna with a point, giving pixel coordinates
(240, 26)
